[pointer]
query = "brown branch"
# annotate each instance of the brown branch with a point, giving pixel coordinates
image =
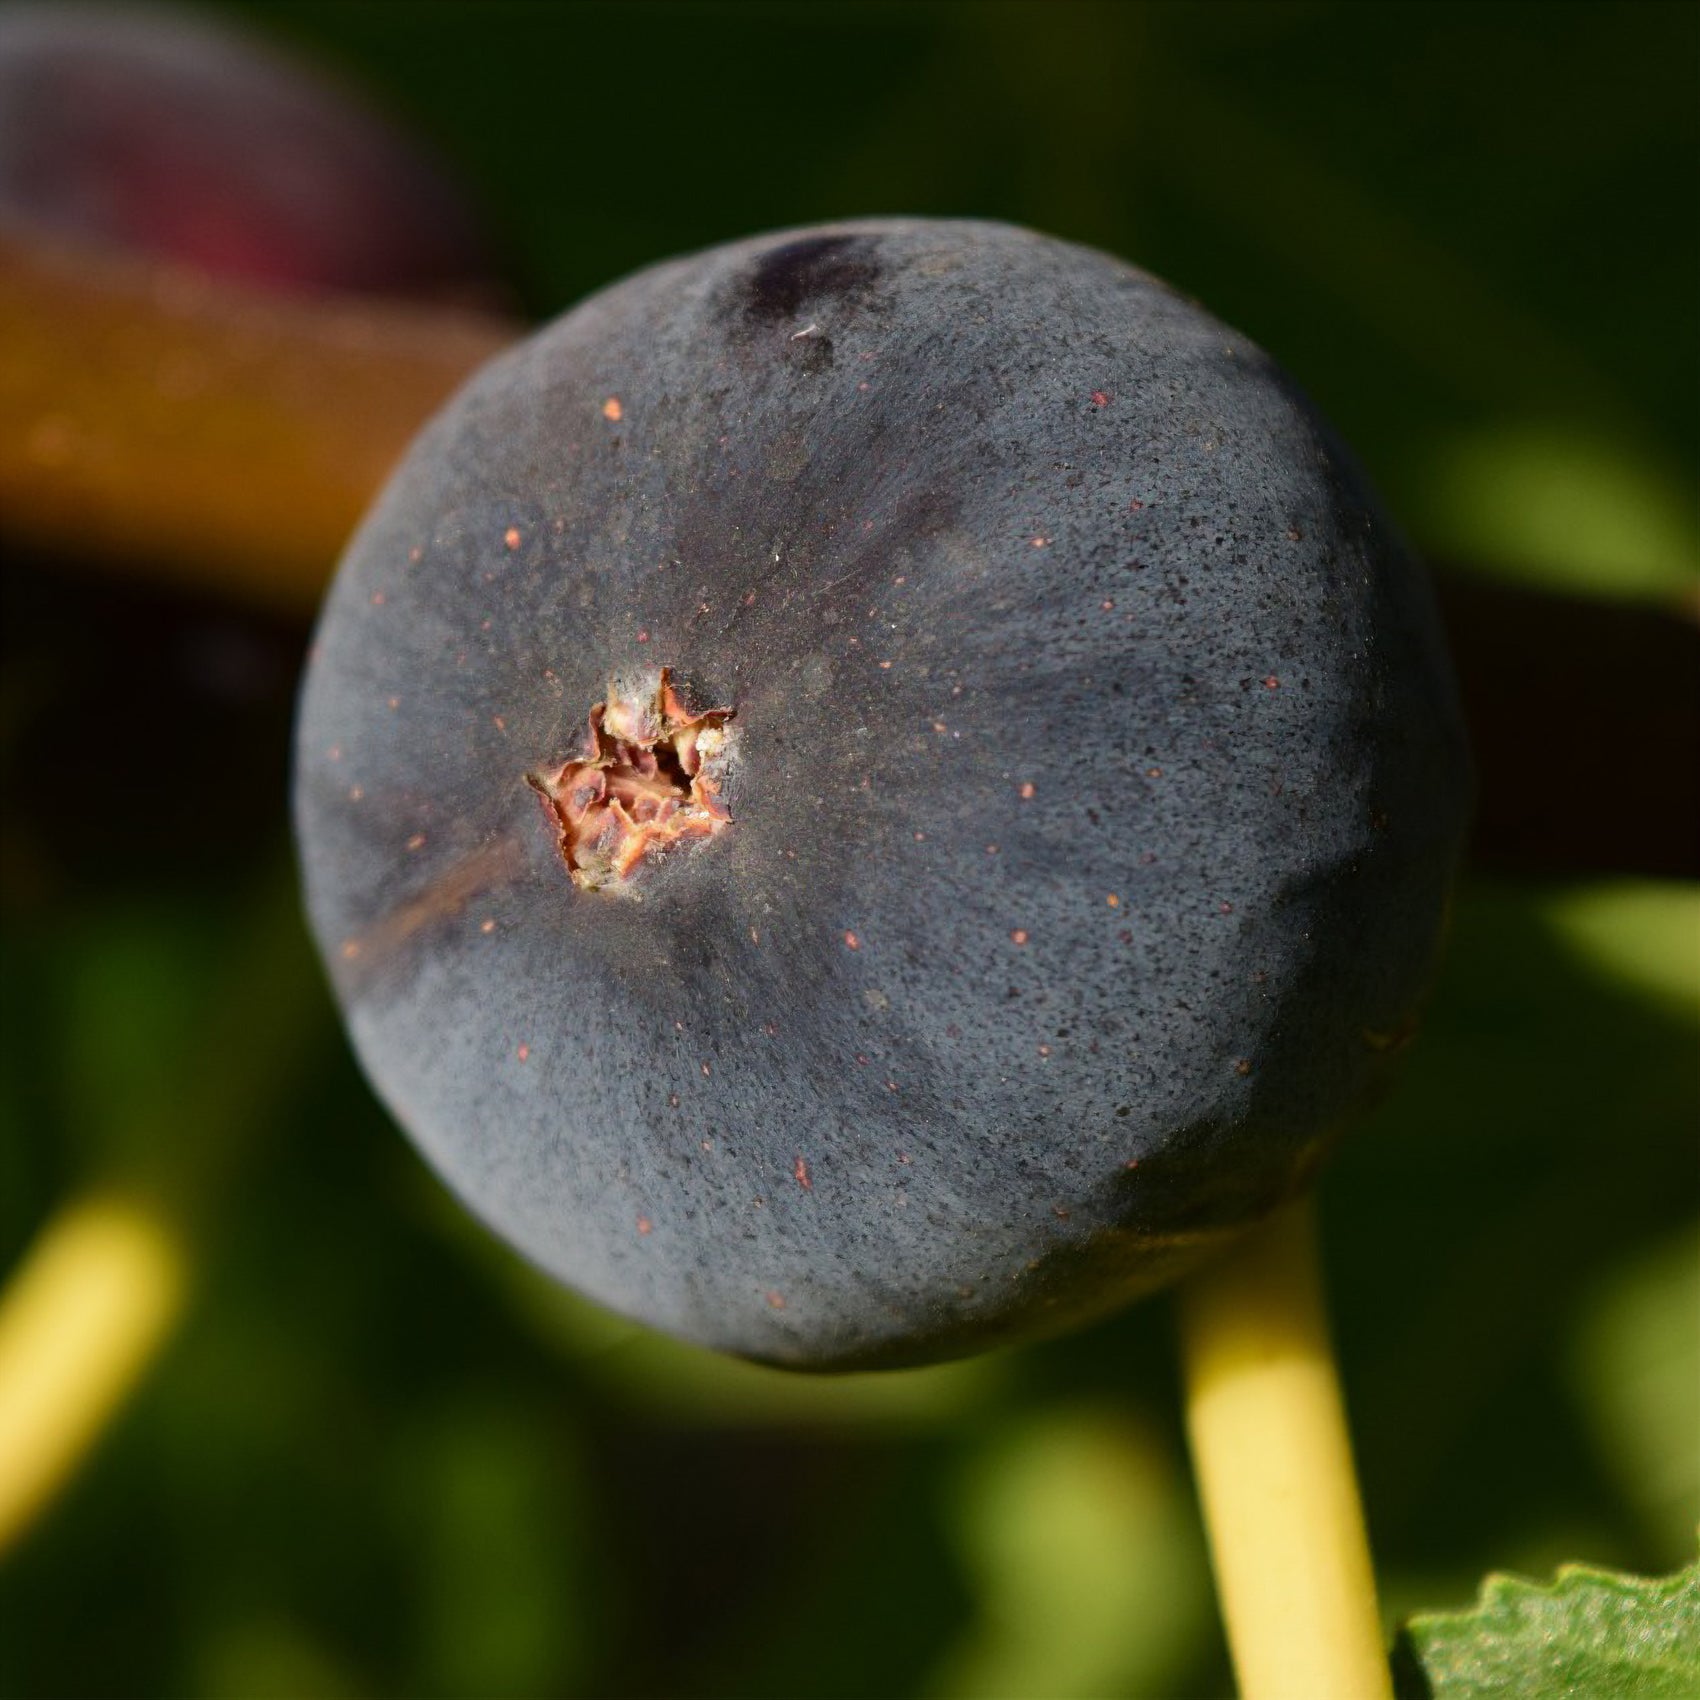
(175, 427)
(218, 435)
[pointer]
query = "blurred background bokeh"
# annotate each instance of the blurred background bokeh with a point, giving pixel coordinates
(379, 1456)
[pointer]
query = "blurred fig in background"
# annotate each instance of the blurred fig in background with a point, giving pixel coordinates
(136, 133)
(154, 131)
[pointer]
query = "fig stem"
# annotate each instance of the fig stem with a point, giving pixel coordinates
(109, 1274)
(81, 1319)
(1274, 1464)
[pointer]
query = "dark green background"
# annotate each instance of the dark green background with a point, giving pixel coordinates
(382, 1458)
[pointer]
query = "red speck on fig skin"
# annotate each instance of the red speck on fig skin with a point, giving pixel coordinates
(1100, 398)
(1272, 683)
(851, 942)
(377, 599)
(776, 1300)
(611, 409)
(1112, 900)
(511, 538)
(801, 1174)
(644, 1225)
(523, 1052)
(1019, 935)
(1028, 791)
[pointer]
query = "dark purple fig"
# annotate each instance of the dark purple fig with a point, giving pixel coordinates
(148, 130)
(877, 791)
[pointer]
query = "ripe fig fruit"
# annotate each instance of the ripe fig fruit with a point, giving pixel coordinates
(878, 790)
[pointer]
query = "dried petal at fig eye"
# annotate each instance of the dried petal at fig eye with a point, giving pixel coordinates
(649, 779)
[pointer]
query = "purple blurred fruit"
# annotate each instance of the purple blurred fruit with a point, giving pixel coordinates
(145, 129)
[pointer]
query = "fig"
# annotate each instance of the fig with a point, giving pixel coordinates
(879, 790)
(142, 129)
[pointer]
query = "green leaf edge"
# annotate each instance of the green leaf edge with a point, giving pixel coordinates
(1495, 1648)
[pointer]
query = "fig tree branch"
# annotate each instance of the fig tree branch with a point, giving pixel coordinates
(232, 438)
(173, 428)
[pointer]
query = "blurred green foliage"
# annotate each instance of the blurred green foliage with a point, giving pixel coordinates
(382, 1457)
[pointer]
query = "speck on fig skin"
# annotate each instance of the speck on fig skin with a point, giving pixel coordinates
(926, 832)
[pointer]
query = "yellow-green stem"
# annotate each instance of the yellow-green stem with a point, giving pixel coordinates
(1274, 1465)
(80, 1320)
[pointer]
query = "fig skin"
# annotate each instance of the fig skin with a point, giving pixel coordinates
(1096, 786)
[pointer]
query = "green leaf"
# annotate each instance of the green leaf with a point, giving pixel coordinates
(1081, 1546)
(1635, 1370)
(1589, 1635)
(1572, 510)
(1643, 933)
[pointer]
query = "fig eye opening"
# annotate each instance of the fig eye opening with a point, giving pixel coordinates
(650, 778)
